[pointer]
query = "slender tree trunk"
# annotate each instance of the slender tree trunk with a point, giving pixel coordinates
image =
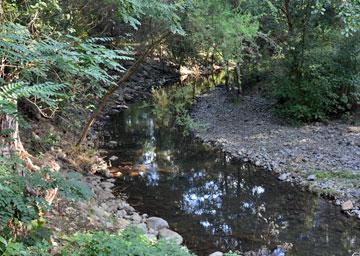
(105, 99)
(238, 78)
(9, 136)
(1, 10)
(227, 75)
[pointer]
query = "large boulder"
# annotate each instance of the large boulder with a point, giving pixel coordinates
(170, 235)
(156, 223)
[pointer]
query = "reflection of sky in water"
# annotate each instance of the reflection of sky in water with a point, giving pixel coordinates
(257, 190)
(196, 198)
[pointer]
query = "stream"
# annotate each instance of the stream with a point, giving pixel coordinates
(214, 202)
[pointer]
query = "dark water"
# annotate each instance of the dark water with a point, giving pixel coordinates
(217, 204)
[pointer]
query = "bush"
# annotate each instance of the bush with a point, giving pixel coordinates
(128, 242)
(22, 194)
(328, 85)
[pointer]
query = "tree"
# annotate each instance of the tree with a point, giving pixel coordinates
(229, 31)
(164, 15)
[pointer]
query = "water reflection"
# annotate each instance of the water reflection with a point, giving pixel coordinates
(217, 204)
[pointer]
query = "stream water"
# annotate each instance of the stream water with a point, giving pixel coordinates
(215, 203)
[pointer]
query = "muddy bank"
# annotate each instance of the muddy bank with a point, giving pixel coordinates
(325, 158)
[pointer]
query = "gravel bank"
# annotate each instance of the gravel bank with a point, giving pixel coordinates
(323, 157)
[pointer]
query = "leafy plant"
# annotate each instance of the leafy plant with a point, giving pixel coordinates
(128, 242)
(22, 193)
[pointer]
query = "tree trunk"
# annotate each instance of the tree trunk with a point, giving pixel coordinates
(104, 100)
(9, 136)
(227, 75)
(1, 10)
(238, 78)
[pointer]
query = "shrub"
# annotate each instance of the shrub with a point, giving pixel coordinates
(128, 242)
(328, 84)
(22, 193)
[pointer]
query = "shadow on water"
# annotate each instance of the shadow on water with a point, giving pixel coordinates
(214, 202)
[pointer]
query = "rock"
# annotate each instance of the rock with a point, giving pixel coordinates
(141, 226)
(121, 213)
(113, 158)
(122, 106)
(105, 195)
(107, 185)
(216, 254)
(311, 177)
(347, 206)
(109, 225)
(353, 129)
(356, 213)
(156, 223)
(151, 237)
(168, 234)
(123, 223)
(129, 208)
(283, 176)
(106, 173)
(112, 144)
(136, 218)
(100, 212)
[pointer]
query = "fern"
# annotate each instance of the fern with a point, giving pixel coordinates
(45, 68)
(21, 196)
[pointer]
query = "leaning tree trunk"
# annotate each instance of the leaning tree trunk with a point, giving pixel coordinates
(105, 99)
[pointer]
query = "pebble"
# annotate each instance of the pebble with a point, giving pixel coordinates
(283, 176)
(311, 177)
(113, 158)
(347, 206)
(112, 144)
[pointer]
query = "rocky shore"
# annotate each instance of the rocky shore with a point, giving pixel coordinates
(104, 212)
(322, 157)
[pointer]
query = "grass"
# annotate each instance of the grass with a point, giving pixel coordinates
(326, 175)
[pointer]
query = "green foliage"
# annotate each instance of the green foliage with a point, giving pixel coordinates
(328, 85)
(350, 14)
(9, 247)
(48, 71)
(41, 16)
(223, 28)
(44, 143)
(22, 192)
(128, 242)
